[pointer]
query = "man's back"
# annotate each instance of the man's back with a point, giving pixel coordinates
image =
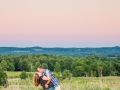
(54, 80)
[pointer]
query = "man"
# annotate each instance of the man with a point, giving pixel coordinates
(48, 74)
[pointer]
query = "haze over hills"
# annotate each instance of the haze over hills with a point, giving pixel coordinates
(103, 51)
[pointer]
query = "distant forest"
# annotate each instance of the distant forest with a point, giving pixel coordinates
(110, 52)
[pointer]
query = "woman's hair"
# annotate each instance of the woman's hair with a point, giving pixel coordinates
(36, 80)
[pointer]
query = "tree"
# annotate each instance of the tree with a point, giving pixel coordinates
(20, 65)
(44, 65)
(88, 66)
(117, 66)
(3, 78)
(4, 65)
(78, 71)
(24, 65)
(87, 70)
(23, 75)
(36, 65)
(11, 67)
(100, 68)
(109, 69)
(78, 67)
(57, 67)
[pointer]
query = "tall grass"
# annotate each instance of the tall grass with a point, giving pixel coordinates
(83, 83)
(76, 83)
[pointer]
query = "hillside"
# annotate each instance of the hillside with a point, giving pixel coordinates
(106, 51)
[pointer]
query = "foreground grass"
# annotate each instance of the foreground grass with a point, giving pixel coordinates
(92, 83)
(76, 83)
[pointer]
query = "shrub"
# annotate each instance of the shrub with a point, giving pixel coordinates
(30, 75)
(23, 75)
(66, 74)
(3, 78)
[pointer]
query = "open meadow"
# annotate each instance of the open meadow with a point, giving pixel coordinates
(76, 83)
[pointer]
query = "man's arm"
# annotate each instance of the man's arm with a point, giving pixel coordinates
(46, 78)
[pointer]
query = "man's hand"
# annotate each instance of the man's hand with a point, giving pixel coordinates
(46, 85)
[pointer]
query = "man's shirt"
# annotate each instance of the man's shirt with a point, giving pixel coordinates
(54, 80)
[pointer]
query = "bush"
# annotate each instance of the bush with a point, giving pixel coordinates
(23, 75)
(66, 74)
(30, 75)
(3, 78)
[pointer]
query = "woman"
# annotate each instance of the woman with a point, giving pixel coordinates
(43, 81)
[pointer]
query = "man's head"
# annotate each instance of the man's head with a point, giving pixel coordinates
(40, 69)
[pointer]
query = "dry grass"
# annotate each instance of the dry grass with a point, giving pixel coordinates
(79, 83)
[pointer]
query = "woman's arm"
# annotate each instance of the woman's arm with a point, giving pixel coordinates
(48, 80)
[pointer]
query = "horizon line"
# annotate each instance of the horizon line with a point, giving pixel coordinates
(55, 47)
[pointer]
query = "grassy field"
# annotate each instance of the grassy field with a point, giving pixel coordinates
(15, 74)
(76, 83)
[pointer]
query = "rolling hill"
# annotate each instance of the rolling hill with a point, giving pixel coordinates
(103, 51)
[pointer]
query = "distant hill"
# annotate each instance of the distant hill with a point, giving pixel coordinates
(104, 51)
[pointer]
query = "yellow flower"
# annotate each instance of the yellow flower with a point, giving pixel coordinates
(105, 85)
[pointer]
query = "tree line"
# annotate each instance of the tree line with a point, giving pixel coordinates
(89, 66)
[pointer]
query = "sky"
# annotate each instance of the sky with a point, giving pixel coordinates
(59, 23)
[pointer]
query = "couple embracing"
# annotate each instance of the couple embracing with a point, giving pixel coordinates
(46, 79)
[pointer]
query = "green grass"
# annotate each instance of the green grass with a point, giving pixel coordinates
(92, 83)
(14, 74)
(76, 83)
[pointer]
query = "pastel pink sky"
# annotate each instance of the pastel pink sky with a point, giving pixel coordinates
(60, 23)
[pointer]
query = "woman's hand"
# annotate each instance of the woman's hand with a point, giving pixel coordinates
(46, 85)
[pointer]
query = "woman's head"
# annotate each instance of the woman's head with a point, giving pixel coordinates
(36, 79)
